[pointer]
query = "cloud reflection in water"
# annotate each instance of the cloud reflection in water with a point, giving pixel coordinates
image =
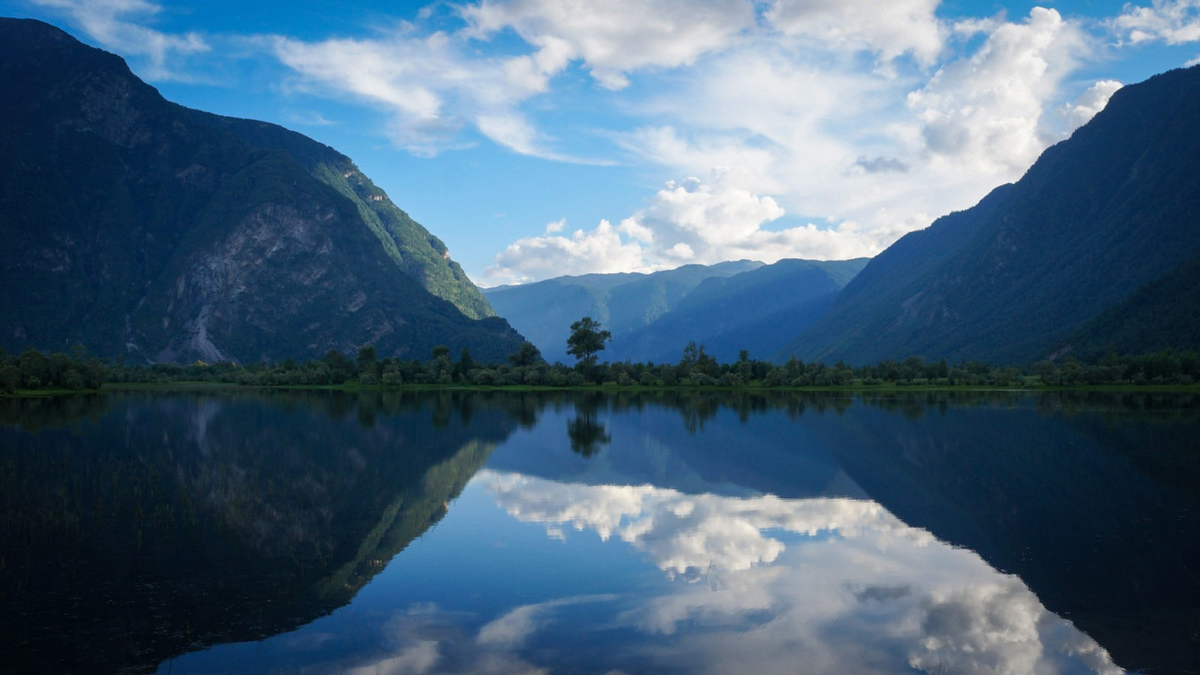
(744, 584)
(854, 590)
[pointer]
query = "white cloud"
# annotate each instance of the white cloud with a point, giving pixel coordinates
(600, 250)
(699, 153)
(617, 37)
(429, 86)
(117, 24)
(1171, 21)
(986, 112)
(1090, 102)
(691, 221)
(864, 158)
(707, 216)
(888, 29)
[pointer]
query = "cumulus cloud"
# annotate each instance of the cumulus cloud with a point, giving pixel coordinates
(118, 25)
(617, 37)
(888, 30)
(1084, 108)
(602, 249)
(689, 221)
(986, 111)
(1171, 21)
(826, 139)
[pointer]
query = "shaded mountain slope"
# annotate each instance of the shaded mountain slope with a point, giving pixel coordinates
(758, 311)
(1161, 315)
(135, 226)
(544, 311)
(1097, 217)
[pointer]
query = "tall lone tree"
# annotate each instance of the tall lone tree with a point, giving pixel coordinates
(587, 340)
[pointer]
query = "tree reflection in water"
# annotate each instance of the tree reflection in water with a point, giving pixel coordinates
(586, 433)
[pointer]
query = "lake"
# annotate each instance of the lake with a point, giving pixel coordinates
(448, 532)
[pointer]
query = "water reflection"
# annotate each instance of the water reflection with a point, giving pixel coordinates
(586, 434)
(853, 590)
(156, 525)
(976, 532)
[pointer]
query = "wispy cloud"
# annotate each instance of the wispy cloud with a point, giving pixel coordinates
(120, 25)
(1170, 21)
(430, 87)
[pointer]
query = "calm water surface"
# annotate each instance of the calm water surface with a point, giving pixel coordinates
(444, 533)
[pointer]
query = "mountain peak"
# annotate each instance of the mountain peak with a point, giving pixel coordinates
(134, 225)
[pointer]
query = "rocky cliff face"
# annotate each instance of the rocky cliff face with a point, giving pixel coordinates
(135, 226)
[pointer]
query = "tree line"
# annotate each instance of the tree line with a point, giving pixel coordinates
(32, 370)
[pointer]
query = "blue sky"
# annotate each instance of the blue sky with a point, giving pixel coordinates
(547, 137)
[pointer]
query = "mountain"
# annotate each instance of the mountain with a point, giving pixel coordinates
(132, 225)
(1106, 217)
(759, 311)
(1164, 314)
(544, 311)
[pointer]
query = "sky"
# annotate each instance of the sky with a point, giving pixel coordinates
(539, 138)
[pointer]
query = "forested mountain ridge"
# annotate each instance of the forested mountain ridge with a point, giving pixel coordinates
(1098, 217)
(757, 311)
(135, 226)
(543, 311)
(1164, 314)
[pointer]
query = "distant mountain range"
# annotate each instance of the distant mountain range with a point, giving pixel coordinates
(544, 311)
(727, 307)
(134, 226)
(756, 311)
(1097, 246)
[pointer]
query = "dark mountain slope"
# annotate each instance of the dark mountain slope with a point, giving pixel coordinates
(420, 254)
(758, 311)
(1096, 218)
(544, 311)
(1164, 314)
(132, 225)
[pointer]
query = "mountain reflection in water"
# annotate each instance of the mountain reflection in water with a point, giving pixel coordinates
(458, 532)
